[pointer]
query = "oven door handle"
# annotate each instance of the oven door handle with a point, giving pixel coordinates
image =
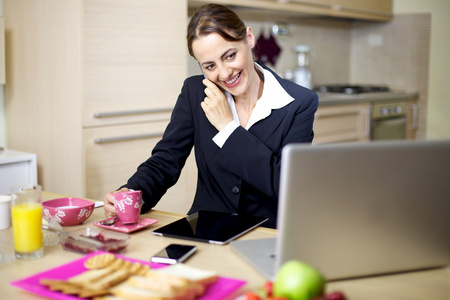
(392, 121)
(367, 113)
(415, 116)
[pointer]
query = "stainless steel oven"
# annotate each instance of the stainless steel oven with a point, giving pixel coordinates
(388, 121)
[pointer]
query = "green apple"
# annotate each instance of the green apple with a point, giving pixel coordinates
(296, 280)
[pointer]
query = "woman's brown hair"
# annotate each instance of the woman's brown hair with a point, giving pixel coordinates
(215, 18)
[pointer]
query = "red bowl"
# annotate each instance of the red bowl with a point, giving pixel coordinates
(67, 211)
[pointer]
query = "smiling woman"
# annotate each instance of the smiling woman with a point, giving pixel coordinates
(238, 117)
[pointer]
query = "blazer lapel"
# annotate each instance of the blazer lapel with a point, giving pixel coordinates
(265, 128)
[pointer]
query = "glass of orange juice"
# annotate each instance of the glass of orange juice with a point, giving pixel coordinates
(26, 214)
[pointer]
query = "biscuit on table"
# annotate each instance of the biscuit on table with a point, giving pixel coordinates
(89, 276)
(119, 264)
(100, 261)
(139, 269)
(55, 285)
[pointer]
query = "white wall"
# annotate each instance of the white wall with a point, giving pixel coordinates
(438, 112)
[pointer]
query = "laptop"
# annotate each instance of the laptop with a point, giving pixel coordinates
(360, 209)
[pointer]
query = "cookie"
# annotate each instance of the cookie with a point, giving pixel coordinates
(99, 261)
(108, 281)
(89, 276)
(139, 269)
(119, 264)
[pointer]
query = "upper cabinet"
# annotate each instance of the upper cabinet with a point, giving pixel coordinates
(134, 60)
(380, 10)
(2, 51)
(374, 10)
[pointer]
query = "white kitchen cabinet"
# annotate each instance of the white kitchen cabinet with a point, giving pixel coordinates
(342, 123)
(80, 68)
(16, 168)
(134, 55)
(113, 153)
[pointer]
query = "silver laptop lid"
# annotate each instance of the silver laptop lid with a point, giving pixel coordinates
(365, 209)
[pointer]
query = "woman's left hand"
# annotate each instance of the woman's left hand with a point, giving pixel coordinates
(215, 106)
(110, 210)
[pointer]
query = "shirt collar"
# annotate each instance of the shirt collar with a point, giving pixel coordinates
(274, 96)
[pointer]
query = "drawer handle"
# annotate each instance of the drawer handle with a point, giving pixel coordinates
(131, 112)
(127, 138)
(367, 129)
(337, 114)
(415, 121)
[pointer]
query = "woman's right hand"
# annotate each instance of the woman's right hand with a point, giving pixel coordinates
(110, 210)
(216, 106)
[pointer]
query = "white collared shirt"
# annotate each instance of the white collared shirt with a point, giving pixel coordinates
(273, 97)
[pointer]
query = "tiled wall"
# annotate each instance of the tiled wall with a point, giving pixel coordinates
(330, 41)
(394, 53)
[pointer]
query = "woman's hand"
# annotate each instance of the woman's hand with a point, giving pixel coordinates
(216, 106)
(110, 210)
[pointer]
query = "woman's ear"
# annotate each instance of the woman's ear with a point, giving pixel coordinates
(250, 37)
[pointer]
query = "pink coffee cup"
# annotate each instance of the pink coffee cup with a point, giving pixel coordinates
(128, 206)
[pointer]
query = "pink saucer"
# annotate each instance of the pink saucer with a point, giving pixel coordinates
(127, 228)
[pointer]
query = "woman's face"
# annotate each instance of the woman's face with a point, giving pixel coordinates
(228, 64)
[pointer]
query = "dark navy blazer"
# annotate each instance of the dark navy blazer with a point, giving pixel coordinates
(242, 176)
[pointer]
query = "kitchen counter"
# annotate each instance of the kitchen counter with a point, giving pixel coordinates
(427, 284)
(338, 98)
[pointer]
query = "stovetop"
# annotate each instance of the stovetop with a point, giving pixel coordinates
(351, 89)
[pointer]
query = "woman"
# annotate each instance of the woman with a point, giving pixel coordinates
(239, 117)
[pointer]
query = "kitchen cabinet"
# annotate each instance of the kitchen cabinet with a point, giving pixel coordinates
(363, 9)
(83, 72)
(113, 153)
(342, 123)
(2, 51)
(374, 10)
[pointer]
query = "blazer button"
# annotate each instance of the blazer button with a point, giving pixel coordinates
(235, 190)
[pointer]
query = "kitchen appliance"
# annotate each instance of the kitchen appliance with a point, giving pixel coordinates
(302, 74)
(388, 119)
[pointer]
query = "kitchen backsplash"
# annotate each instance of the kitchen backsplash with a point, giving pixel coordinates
(394, 53)
(330, 42)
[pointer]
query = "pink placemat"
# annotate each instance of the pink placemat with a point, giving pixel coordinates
(221, 288)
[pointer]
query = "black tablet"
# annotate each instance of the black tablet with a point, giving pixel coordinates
(210, 227)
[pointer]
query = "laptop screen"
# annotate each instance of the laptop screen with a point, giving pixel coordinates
(361, 209)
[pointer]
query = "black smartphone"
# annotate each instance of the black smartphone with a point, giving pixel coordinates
(173, 254)
(204, 75)
(201, 69)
